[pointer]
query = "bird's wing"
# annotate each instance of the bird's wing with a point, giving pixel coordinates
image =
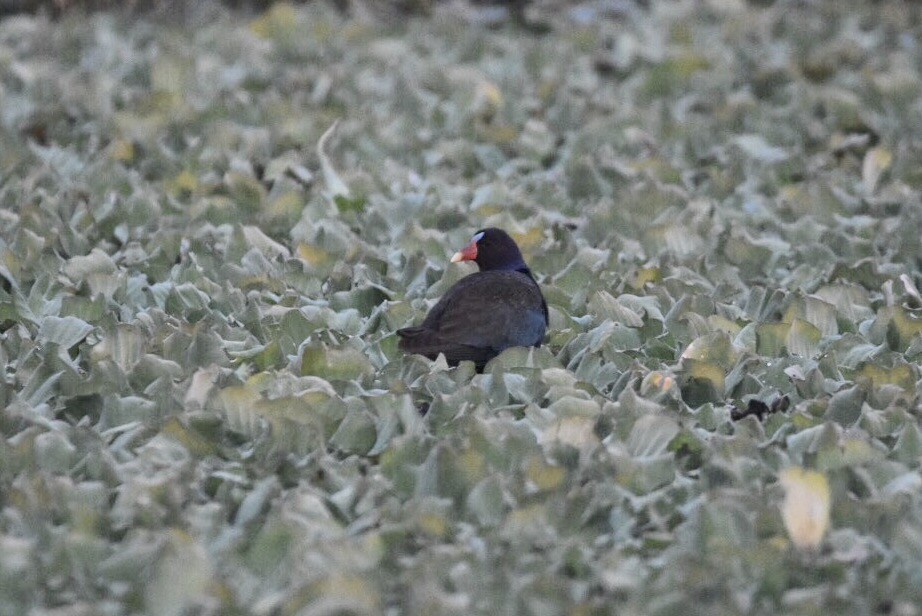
(430, 343)
(490, 310)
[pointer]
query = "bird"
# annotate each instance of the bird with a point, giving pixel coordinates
(481, 315)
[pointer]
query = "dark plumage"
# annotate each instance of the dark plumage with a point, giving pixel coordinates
(500, 306)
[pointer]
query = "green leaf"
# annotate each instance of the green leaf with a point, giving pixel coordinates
(64, 331)
(332, 363)
(486, 503)
(356, 434)
(803, 339)
(350, 204)
(845, 406)
(651, 436)
(180, 578)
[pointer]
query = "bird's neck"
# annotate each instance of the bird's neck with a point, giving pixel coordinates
(521, 268)
(515, 266)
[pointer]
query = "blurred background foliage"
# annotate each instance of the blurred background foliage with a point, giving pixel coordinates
(204, 410)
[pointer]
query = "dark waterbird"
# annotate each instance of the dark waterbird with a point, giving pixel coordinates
(500, 306)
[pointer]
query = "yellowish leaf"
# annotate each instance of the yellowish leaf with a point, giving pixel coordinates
(904, 324)
(705, 371)
(487, 94)
(499, 134)
(657, 383)
(806, 506)
(473, 464)
(313, 255)
(184, 182)
(122, 150)
(529, 240)
(280, 19)
(433, 524)
(192, 441)
(771, 338)
(901, 375)
(343, 594)
(544, 476)
(575, 431)
(876, 162)
(489, 209)
(645, 275)
(723, 324)
(803, 338)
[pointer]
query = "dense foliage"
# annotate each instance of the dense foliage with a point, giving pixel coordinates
(205, 411)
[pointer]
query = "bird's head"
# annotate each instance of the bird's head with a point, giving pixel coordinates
(492, 249)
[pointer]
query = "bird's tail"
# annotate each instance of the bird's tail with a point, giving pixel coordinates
(429, 343)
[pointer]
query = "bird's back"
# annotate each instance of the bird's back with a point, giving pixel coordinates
(479, 317)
